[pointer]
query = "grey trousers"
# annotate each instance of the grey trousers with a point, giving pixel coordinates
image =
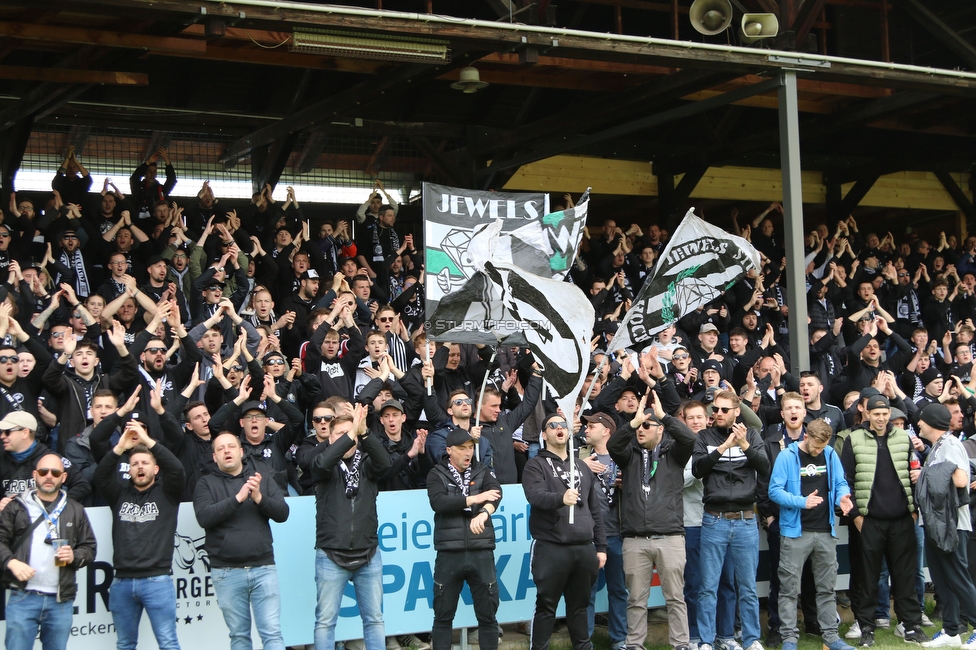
(821, 548)
(641, 556)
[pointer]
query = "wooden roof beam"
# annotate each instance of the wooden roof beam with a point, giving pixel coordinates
(85, 36)
(945, 35)
(67, 76)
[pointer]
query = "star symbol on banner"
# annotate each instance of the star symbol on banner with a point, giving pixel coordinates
(199, 617)
(187, 620)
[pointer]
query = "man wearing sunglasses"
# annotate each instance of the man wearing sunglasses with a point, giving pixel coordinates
(42, 579)
(20, 393)
(728, 457)
(652, 451)
(460, 406)
(322, 415)
(566, 558)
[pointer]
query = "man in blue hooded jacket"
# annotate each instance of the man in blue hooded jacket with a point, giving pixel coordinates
(808, 482)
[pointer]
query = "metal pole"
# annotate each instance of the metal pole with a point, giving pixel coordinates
(789, 149)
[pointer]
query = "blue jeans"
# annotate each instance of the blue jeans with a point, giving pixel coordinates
(720, 538)
(157, 595)
(28, 612)
(241, 589)
(534, 448)
(725, 623)
(613, 573)
(330, 583)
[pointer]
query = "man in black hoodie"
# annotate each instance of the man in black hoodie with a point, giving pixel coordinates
(234, 504)
(652, 451)
(728, 457)
(463, 494)
(144, 515)
(347, 475)
(566, 558)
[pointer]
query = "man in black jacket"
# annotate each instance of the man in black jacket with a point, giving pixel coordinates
(42, 594)
(234, 505)
(144, 515)
(652, 451)
(463, 495)
(347, 475)
(728, 457)
(566, 558)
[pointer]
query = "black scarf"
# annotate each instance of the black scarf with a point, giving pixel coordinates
(351, 474)
(463, 481)
(650, 461)
(563, 475)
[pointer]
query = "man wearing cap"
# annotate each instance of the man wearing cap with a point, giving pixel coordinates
(707, 344)
(233, 505)
(948, 565)
(566, 558)
(41, 577)
(713, 380)
(876, 460)
(70, 256)
(599, 428)
(347, 475)
(302, 302)
(144, 515)
(807, 483)
(261, 438)
(464, 494)
(729, 458)
(651, 451)
(409, 462)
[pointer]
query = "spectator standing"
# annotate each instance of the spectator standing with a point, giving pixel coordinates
(233, 504)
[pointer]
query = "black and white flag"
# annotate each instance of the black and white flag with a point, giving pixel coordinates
(699, 264)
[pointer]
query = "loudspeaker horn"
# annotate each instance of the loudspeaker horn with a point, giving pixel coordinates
(758, 26)
(710, 17)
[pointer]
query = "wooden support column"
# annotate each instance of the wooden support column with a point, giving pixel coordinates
(12, 153)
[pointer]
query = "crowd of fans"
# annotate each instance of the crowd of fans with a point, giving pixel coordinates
(195, 321)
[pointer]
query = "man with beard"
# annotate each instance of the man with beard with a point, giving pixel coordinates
(729, 457)
(463, 495)
(652, 450)
(20, 393)
(811, 390)
(458, 415)
(42, 577)
(144, 515)
(498, 428)
(158, 284)
(233, 504)
(347, 475)
(566, 558)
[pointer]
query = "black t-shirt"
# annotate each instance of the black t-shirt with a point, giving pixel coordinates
(813, 476)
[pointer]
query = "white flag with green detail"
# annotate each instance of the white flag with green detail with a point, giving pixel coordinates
(699, 264)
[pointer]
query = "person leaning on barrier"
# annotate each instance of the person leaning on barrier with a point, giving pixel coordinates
(42, 580)
(463, 494)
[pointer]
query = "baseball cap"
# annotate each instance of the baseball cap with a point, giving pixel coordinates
(253, 405)
(649, 415)
(878, 402)
(310, 274)
(392, 403)
(604, 419)
(708, 327)
(18, 420)
(457, 437)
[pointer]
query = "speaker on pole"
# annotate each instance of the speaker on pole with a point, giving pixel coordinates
(710, 17)
(758, 26)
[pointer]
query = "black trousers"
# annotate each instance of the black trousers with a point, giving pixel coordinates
(451, 570)
(894, 541)
(562, 571)
(808, 588)
(950, 574)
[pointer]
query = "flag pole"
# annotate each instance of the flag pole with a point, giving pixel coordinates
(429, 380)
(572, 469)
(481, 399)
(596, 373)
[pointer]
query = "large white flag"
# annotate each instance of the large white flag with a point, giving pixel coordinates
(699, 264)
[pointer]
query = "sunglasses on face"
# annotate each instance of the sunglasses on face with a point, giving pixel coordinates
(44, 471)
(156, 350)
(214, 288)
(723, 409)
(322, 418)
(4, 235)
(561, 424)
(679, 357)
(237, 368)
(648, 424)
(57, 335)
(274, 362)
(69, 237)
(460, 402)
(6, 359)
(7, 432)
(385, 319)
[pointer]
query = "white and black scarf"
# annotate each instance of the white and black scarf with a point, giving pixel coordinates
(77, 262)
(563, 475)
(650, 461)
(351, 474)
(463, 481)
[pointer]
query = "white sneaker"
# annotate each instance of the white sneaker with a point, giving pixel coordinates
(943, 640)
(854, 632)
(900, 630)
(392, 643)
(971, 643)
(727, 644)
(704, 646)
(926, 621)
(755, 645)
(882, 623)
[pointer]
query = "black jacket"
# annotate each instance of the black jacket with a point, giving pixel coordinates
(549, 516)
(500, 432)
(452, 517)
(659, 510)
(731, 478)
(238, 534)
(73, 525)
(348, 523)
